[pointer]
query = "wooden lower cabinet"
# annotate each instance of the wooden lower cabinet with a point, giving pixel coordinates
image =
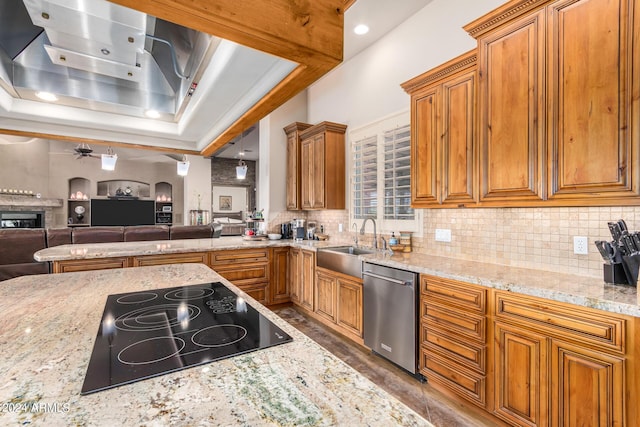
(325, 295)
(529, 361)
(248, 269)
(302, 268)
(349, 308)
(147, 260)
(338, 302)
(588, 387)
(453, 337)
(521, 377)
(69, 266)
(557, 364)
(278, 284)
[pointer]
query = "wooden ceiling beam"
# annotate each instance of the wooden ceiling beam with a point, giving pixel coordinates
(81, 140)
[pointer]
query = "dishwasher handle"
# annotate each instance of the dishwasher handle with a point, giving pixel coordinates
(388, 279)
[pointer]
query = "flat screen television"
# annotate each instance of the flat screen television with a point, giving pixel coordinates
(122, 212)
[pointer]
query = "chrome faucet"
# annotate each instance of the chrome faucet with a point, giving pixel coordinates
(355, 238)
(375, 236)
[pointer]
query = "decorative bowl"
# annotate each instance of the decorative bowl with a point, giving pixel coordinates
(273, 236)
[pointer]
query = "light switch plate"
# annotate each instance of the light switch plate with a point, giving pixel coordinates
(443, 235)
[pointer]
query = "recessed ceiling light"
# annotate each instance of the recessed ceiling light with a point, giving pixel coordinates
(152, 114)
(361, 29)
(47, 96)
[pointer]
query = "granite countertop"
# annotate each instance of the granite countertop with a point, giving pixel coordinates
(157, 247)
(48, 324)
(580, 290)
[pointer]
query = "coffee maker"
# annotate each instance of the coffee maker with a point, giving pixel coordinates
(285, 230)
(298, 230)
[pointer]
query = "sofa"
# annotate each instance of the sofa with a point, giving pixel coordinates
(17, 245)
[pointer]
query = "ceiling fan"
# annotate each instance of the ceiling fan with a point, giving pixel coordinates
(83, 150)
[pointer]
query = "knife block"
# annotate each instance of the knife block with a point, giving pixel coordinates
(631, 265)
(615, 274)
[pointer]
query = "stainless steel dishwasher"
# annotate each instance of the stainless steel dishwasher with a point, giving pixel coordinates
(390, 314)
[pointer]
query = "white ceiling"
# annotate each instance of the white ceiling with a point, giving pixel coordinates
(195, 128)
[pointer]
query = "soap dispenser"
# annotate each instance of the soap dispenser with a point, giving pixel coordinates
(392, 240)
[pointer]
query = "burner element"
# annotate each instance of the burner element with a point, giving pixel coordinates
(157, 317)
(151, 350)
(137, 298)
(188, 294)
(219, 335)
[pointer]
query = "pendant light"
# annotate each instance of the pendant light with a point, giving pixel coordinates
(241, 169)
(109, 160)
(183, 166)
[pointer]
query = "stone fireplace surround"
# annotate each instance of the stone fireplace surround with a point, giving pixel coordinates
(30, 204)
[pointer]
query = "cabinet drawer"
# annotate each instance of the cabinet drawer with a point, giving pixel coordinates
(564, 321)
(461, 295)
(446, 320)
(471, 355)
(239, 256)
(249, 273)
(87, 265)
(462, 382)
(198, 257)
(257, 291)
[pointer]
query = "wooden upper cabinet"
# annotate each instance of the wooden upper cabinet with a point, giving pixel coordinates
(322, 166)
(443, 134)
(292, 131)
(591, 94)
(512, 111)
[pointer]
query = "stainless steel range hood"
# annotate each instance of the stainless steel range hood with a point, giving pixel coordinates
(97, 55)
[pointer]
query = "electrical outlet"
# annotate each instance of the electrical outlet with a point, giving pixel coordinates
(580, 245)
(443, 235)
(340, 229)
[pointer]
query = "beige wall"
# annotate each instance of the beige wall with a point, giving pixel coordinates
(33, 167)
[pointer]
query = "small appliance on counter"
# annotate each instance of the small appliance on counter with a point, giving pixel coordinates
(311, 230)
(299, 232)
(285, 230)
(621, 255)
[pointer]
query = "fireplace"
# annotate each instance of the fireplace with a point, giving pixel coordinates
(21, 219)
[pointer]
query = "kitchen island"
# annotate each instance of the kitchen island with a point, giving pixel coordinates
(48, 324)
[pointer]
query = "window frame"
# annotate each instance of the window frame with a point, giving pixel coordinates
(378, 128)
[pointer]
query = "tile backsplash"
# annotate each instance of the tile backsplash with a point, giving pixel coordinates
(537, 238)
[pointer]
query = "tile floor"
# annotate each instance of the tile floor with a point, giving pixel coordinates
(421, 397)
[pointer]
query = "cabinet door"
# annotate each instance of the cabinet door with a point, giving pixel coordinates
(318, 172)
(307, 283)
(279, 289)
(325, 296)
(307, 173)
(512, 111)
(521, 376)
(293, 173)
(588, 387)
(295, 269)
(458, 135)
(424, 142)
(349, 305)
(590, 84)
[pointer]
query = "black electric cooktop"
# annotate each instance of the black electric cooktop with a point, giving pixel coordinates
(150, 333)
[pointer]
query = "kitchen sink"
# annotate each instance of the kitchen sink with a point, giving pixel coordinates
(343, 259)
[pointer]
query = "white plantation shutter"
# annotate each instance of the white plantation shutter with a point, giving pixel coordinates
(365, 177)
(381, 175)
(397, 170)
